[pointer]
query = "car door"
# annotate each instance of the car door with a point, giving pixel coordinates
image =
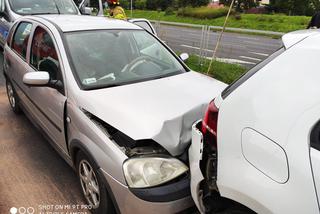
(90, 7)
(49, 103)
(145, 24)
(15, 61)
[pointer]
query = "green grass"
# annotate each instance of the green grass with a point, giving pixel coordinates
(278, 23)
(224, 72)
(203, 12)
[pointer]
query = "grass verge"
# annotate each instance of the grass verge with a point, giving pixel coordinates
(224, 72)
(277, 23)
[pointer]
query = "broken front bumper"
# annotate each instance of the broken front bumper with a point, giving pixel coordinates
(195, 156)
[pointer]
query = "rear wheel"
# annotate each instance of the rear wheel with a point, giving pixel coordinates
(92, 186)
(13, 98)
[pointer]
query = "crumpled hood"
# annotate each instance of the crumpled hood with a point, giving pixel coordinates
(163, 110)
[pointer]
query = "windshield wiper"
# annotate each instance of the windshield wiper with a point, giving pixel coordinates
(57, 7)
(43, 13)
(102, 86)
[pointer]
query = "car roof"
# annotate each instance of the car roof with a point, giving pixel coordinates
(292, 38)
(69, 23)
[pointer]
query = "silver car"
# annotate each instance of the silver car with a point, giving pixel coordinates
(11, 10)
(115, 102)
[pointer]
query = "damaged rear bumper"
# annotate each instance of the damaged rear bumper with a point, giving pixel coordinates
(195, 156)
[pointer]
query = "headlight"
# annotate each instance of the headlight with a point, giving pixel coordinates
(152, 171)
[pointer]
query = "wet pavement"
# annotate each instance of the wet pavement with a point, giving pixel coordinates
(33, 177)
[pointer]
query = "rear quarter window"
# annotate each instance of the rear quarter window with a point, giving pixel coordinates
(10, 35)
(315, 137)
(21, 39)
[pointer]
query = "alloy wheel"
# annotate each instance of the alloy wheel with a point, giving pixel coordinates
(89, 184)
(10, 94)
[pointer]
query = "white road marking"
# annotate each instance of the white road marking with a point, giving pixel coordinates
(259, 54)
(261, 44)
(250, 38)
(251, 58)
(231, 61)
(197, 48)
(226, 60)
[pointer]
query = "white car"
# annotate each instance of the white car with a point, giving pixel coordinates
(258, 144)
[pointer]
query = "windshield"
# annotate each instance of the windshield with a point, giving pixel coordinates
(109, 58)
(33, 7)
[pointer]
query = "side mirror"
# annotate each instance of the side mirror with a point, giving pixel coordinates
(184, 56)
(36, 79)
(87, 11)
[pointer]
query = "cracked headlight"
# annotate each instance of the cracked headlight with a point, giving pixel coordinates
(152, 171)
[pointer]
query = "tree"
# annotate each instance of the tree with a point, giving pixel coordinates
(158, 4)
(295, 7)
(241, 5)
(193, 3)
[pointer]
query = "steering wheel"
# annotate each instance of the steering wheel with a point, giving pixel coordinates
(135, 62)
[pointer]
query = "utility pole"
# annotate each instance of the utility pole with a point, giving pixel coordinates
(220, 37)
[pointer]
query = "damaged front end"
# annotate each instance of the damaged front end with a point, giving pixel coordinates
(150, 171)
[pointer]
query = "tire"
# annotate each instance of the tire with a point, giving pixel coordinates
(93, 188)
(13, 98)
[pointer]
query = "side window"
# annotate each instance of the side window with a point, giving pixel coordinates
(78, 2)
(9, 39)
(145, 25)
(91, 7)
(43, 56)
(2, 5)
(21, 38)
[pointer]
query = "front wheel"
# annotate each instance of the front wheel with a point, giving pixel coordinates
(92, 186)
(13, 98)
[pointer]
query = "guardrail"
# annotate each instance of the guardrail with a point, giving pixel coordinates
(239, 30)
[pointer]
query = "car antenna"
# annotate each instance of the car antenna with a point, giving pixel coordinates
(57, 6)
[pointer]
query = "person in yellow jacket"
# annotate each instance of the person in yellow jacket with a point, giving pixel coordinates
(116, 11)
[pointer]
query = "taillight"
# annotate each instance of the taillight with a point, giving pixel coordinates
(210, 121)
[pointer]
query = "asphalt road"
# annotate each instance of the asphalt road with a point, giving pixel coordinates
(32, 174)
(244, 49)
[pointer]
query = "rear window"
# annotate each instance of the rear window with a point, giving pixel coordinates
(250, 73)
(33, 7)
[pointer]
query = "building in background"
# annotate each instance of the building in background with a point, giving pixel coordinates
(265, 1)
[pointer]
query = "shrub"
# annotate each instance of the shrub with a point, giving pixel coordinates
(193, 3)
(237, 16)
(140, 4)
(169, 11)
(156, 4)
(257, 10)
(152, 4)
(203, 12)
(125, 3)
